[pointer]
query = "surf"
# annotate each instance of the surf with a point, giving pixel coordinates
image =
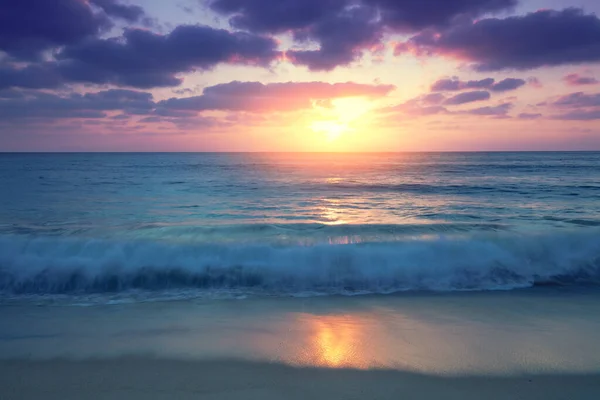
(68, 265)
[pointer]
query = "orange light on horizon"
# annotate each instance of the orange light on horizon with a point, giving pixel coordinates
(338, 119)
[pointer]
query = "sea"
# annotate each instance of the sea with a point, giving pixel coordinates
(437, 263)
(167, 225)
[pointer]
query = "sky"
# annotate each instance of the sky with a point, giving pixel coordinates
(299, 75)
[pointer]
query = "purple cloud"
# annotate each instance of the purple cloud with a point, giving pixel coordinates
(467, 97)
(129, 13)
(578, 99)
(508, 84)
(90, 105)
(579, 80)
(143, 59)
(530, 116)
(234, 96)
(345, 28)
(455, 84)
(583, 115)
(542, 38)
(499, 110)
(271, 97)
(28, 27)
(276, 16)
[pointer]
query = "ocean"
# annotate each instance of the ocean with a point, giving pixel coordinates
(100, 227)
(446, 265)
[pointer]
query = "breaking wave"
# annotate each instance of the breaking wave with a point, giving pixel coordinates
(59, 265)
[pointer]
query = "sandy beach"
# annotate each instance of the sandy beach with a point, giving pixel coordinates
(515, 345)
(146, 378)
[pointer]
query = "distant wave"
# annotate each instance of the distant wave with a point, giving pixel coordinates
(54, 265)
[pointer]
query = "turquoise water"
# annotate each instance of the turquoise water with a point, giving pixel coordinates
(296, 224)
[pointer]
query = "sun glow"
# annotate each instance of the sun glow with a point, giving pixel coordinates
(332, 129)
(339, 116)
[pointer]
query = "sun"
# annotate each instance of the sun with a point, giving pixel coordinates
(332, 129)
(339, 117)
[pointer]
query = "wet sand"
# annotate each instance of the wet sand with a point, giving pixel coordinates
(515, 345)
(146, 378)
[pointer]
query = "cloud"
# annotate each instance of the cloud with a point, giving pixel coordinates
(433, 98)
(276, 16)
(33, 76)
(143, 59)
(455, 84)
(578, 100)
(535, 82)
(542, 38)
(584, 107)
(414, 109)
(580, 115)
(27, 106)
(419, 107)
(499, 110)
(467, 97)
(529, 115)
(28, 27)
(259, 97)
(410, 15)
(579, 80)
(508, 84)
(343, 29)
(90, 105)
(129, 13)
(342, 39)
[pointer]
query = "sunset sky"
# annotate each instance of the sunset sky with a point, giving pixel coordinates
(299, 75)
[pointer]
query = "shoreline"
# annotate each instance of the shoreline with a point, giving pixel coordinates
(156, 378)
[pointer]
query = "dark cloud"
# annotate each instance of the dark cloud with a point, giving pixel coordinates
(507, 84)
(28, 27)
(542, 38)
(259, 97)
(535, 82)
(63, 40)
(91, 105)
(455, 84)
(499, 110)
(433, 98)
(33, 76)
(129, 13)
(578, 100)
(579, 80)
(580, 115)
(27, 106)
(414, 15)
(276, 16)
(530, 115)
(418, 107)
(11, 94)
(342, 39)
(343, 29)
(143, 59)
(467, 97)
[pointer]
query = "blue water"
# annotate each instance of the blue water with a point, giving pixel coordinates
(296, 224)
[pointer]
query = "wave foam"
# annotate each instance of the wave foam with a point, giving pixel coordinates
(54, 265)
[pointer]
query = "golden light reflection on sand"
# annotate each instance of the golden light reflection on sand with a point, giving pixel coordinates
(336, 341)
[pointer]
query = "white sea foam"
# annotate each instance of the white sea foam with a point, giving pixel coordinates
(51, 265)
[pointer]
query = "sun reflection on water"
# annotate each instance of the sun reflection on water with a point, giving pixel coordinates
(336, 341)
